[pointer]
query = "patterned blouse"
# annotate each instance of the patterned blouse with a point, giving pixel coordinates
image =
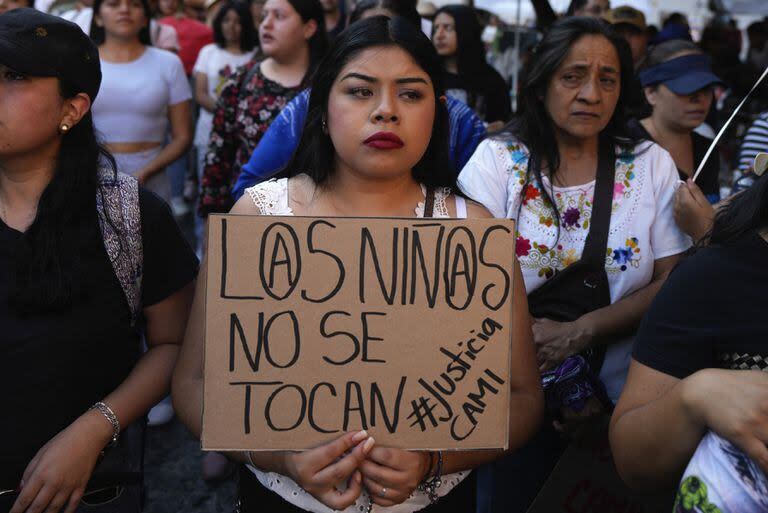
(642, 227)
(248, 103)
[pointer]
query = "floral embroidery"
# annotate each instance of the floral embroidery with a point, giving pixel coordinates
(620, 259)
(519, 161)
(626, 158)
(570, 257)
(618, 191)
(522, 246)
(244, 112)
(537, 250)
(530, 193)
(571, 218)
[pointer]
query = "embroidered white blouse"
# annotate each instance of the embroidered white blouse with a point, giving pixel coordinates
(271, 198)
(642, 226)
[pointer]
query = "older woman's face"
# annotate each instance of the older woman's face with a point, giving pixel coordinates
(24, 98)
(381, 110)
(583, 91)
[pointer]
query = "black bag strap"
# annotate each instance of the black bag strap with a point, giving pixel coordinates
(429, 203)
(602, 205)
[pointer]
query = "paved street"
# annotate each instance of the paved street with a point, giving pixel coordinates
(172, 475)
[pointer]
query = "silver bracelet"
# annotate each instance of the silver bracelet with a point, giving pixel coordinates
(111, 417)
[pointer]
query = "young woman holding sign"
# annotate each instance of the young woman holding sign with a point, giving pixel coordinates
(374, 144)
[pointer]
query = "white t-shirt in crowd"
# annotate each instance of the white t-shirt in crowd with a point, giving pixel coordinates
(642, 226)
(132, 104)
(217, 64)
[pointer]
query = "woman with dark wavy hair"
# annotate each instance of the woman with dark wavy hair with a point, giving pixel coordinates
(596, 231)
(89, 262)
(468, 76)
(374, 145)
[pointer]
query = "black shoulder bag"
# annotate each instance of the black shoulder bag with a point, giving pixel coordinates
(582, 287)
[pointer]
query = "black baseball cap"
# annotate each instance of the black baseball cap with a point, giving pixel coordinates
(42, 45)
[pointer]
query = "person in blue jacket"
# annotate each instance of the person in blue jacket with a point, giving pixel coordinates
(281, 138)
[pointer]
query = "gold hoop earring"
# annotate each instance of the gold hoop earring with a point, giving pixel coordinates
(64, 128)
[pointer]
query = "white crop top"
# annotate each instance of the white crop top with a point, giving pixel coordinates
(271, 198)
(132, 104)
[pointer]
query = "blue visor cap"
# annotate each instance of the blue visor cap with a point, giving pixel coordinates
(682, 75)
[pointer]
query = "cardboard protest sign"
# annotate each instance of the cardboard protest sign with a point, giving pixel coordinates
(585, 480)
(316, 327)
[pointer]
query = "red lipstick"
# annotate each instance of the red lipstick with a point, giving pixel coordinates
(384, 141)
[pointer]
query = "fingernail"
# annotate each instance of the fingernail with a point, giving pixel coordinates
(360, 436)
(368, 445)
(358, 477)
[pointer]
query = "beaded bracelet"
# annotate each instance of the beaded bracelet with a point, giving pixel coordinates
(430, 484)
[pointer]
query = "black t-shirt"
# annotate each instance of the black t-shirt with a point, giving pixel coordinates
(710, 313)
(709, 179)
(54, 366)
(487, 95)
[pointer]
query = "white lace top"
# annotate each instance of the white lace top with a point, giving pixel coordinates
(271, 198)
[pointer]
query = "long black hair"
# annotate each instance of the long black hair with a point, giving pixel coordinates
(742, 214)
(405, 9)
(470, 51)
(533, 125)
(48, 271)
(97, 33)
(318, 43)
(315, 153)
(248, 36)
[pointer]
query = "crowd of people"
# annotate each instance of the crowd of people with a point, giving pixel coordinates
(638, 297)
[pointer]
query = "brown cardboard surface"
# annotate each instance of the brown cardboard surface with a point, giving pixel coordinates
(316, 327)
(585, 480)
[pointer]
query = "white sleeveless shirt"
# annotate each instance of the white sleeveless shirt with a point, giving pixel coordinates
(271, 198)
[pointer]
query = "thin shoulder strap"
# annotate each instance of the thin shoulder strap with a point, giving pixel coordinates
(461, 207)
(429, 203)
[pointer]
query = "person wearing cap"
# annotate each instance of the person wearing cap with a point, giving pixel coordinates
(630, 23)
(86, 257)
(697, 389)
(678, 84)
